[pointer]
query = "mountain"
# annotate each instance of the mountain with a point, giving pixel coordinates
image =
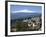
(23, 15)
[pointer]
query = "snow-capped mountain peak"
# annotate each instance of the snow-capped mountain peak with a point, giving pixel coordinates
(24, 11)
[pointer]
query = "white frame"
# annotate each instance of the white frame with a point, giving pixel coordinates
(27, 32)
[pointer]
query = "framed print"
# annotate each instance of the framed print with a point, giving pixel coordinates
(24, 18)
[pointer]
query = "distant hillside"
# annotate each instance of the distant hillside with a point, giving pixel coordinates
(23, 15)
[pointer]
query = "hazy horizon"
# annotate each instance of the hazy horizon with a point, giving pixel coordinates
(18, 11)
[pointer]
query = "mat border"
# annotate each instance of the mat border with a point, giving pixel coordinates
(6, 18)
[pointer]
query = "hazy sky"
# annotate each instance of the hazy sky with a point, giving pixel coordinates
(15, 8)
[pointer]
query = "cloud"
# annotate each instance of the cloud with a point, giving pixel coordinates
(24, 11)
